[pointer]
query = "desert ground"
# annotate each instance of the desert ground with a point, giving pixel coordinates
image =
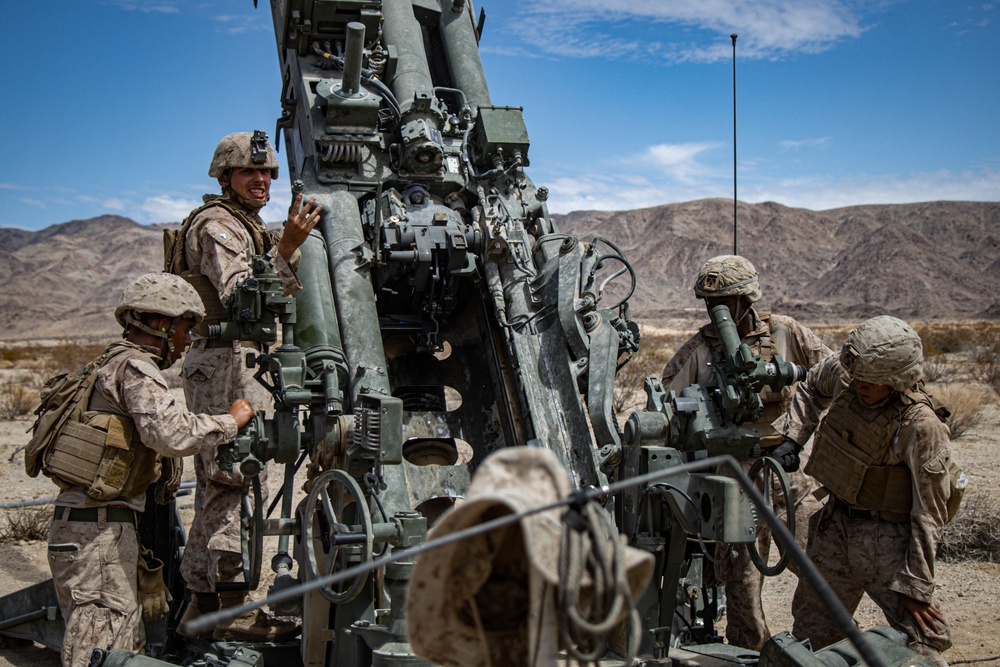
(968, 591)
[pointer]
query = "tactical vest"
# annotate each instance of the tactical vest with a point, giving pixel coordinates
(850, 449)
(102, 452)
(175, 259)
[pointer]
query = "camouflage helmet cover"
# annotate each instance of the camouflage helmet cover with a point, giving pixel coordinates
(728, 275)
(884, 350)
(161, 294)
(237, 150)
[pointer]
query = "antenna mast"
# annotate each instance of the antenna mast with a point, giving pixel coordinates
(735, 244)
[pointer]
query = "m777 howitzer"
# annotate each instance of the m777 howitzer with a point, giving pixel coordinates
(443, 316)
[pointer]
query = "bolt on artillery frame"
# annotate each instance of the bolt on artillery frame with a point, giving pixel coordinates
(443, 316)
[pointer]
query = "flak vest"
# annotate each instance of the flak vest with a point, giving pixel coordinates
(850, 448)
(103, 453)
(175, 258)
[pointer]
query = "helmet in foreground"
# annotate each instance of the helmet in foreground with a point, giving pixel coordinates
(728, 275)
(884, 350)
(244, 150)
(160, 294)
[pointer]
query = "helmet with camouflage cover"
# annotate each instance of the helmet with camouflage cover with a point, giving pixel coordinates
(249, 150)
(728, 275)
(161, 294)
(884, 350)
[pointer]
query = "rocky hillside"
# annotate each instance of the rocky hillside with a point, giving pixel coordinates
(936, 260)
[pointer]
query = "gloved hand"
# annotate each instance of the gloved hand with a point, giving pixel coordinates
(786, 454)
(154, 598)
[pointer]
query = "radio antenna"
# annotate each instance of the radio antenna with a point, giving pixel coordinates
(735, 243)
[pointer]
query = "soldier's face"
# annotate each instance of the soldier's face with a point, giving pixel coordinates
(181, 338)
(872, 393)
(252, 184)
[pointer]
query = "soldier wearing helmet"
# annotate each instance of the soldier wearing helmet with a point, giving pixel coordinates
(881, 453)
(141, 434)
(733, 281)
(213, 250)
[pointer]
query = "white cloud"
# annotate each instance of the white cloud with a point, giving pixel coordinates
(10, 186)
(147, 7)
(235, 24)
(768, 29)
(167, 208)
(625, 191)
(799, 144)
(31, 202)
(680, 161)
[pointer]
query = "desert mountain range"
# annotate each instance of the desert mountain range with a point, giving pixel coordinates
(926, 261)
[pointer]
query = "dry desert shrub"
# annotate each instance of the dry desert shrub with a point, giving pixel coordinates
(974, 533)
(655, 350)
(18, 398)
(27, 524)
(966, 400)
(985, 353)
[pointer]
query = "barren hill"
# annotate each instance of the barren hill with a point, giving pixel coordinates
(936, 260)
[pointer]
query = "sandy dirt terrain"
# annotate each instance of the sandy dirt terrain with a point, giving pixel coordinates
(969, 593)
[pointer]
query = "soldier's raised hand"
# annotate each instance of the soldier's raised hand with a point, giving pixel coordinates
(301, 220)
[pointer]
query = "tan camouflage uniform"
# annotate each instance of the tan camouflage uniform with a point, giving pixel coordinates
(215, 374)
(93, 563)
(745, 622)
(873, 555)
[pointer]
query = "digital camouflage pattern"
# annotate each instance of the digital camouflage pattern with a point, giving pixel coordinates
(161, 293)
(94, 563)
(746, 625)
(728, 275)
(904, 562)
(884, 350)
(234, 151)
(219, 248)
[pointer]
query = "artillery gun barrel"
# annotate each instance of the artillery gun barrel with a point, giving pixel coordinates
(403, 31)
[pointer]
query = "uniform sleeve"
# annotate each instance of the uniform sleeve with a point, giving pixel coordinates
(688, 366)
(814, 395)
(287, 270)
(803, 346)
(164, 426)
(923, 446)
(226, 251)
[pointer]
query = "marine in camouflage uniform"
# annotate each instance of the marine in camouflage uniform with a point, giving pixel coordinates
(214, 250)
(881, 451)
(93, 546)
(733, 280)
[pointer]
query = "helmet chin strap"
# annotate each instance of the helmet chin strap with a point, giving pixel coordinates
(166, 336)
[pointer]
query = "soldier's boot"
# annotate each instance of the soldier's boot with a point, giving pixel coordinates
(253, 625)
(200, 605)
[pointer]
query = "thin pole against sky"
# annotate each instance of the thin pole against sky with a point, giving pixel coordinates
(735, 244)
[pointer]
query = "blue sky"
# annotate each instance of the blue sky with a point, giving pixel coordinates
(115, 106)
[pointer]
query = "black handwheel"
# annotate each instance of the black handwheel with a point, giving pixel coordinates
(252, 530)
(343, 545)
(769, 471)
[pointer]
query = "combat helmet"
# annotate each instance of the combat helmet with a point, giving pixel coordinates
(159, 294)
(884, 350)
(728, 275)
(248, 150)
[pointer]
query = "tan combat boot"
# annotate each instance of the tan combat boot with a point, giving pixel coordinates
(200, 604)
(253, 625)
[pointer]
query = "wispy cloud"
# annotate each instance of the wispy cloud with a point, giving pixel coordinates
(627, 29)
(10, 186)
(147, 7)
(627, 190)
(799, 144)
(31, 202)
(167, 208)
(235, 24)
(680, 161)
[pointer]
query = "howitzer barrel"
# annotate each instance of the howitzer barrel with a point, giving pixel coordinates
(403, 31)
(461, 49)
